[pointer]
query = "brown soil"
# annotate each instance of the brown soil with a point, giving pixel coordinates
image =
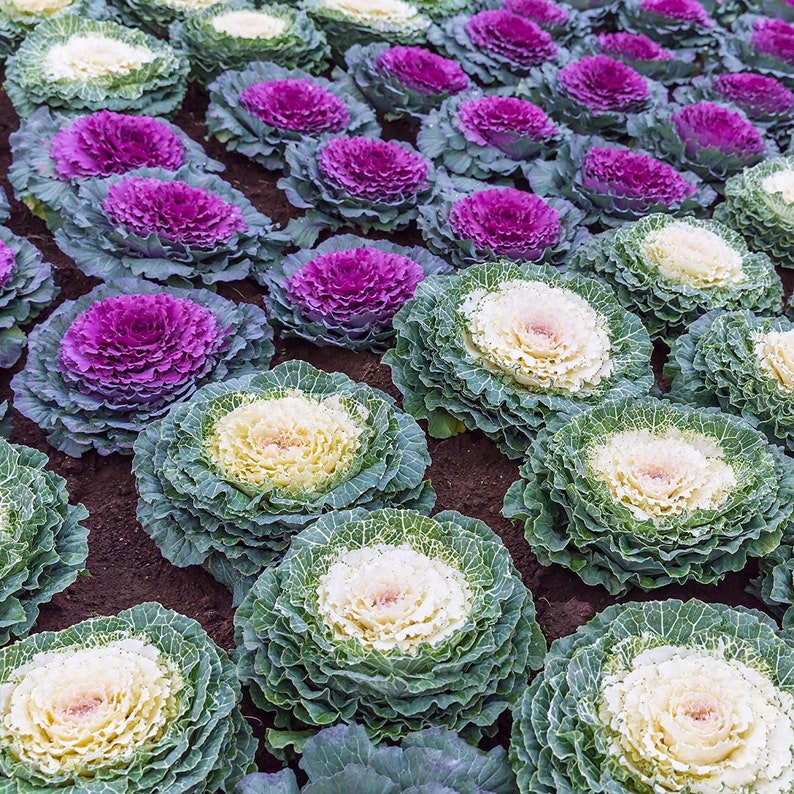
(126, 567)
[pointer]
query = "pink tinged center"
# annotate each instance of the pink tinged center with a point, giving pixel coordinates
(82, 707)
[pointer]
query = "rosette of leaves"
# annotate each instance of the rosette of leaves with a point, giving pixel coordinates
(259, 110)
(26, 288)
(739, 362)
(482, 136)
(594, 94)
(470, 222)
(237, 33)
(669, 271)
(565, 23)
(19, 17)
(614, 184)
(673, 23)
(54, 152)
(388, 666)
(715, 677)
(504, 348)
(102, 367)
(365, 182)
(644, 493)
(763, 44)
(713, 139)
(496, 46)
(78, 65)
(402, 81)
(349, 22)
(759, 204)
(44, 545)
(182, 227)
(346, 291)
(140, 702)
(228, 477)
(343, 758)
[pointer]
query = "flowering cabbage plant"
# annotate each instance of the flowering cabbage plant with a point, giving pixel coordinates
(366, 182)
(763, 44)
(496, 46)
(226, 478)
(101, 367)
(181, 226)
(402, 81)
(595, 94)
(505, 347)
(390, 619)
(614, 184)
(236, 34)
(44, 545)
(140, 702)
(662, 696)
(78, 65)
(742, 363)
(343, 758)
(672, 23)
(259, 110)
(645, 493)
(349, 22)
(482, 136)
(54, 152)
(470, 222)
(346, 291)
(669, 271)
(26, 287)
(564, 22)
(758, 204)
(713, 139)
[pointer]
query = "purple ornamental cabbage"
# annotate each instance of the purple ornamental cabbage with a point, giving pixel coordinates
(632, 47)
(103, 366)
(757, 95)
(706, 125)
(501, 121)
(346, 291)
(565, 25)
(775, 38)
(679, 10)
(763, 44)
(422, 70)
(671, 23)
(298, 105)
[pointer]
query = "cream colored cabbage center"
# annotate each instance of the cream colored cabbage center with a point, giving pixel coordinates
(246, 24)
(781, 182)
(688, 719)
(38, 8)
(693, 255)
(393, 597)
(663, 474)
(774, 353)
(86, 56)
(543, 336)
(82, 708)
(294, 442)
(374, 11)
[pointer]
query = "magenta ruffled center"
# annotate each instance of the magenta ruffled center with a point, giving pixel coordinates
(423, 71)
(774, 37)
(297, 105)
(501, 121)
(508, 221)
(106, 143)
(603, 84)
(7, 262)
(511, 36)
(343, 285)
(633, 47)
(173, 211)
(373, 169)
(543, 12)
(755, 93)
(705, 125)
(678, 10)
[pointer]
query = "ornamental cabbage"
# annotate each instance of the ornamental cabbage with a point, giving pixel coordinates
(662, 696)
(44, 545)
(645, 493)
(390, 619)
(261, 109)
(504, 347)
(141, 702)
(402, 81)
(182, 227)
(346, 291)
(669, 271)
(226, 478)
(343, 758)
(78, 65)
(236, 34)
(758, 204)
(672, 23)
(53, 153)
(26, 288)
(763, 44)
(102, 367)
(564, 23)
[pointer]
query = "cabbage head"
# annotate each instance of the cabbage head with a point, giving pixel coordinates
(390, 619)
(645, 493)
